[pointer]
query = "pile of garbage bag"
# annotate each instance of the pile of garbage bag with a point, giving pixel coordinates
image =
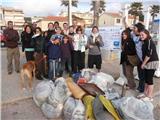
(92, 99)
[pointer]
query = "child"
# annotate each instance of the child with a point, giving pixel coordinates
(54, 54)
(66, 48)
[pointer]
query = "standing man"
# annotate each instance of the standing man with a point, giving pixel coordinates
(75, 25)
(34, 25)
(65, 29)
(12, 39)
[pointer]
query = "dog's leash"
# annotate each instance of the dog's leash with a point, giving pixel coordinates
(41, 60)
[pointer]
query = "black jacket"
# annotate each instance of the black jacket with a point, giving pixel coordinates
(128, 49)
(26, 40)
(149, 49)
(38, 44)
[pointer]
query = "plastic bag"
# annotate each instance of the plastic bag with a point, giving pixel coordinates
(60, 93)
(69, 107)
(42, 91)
(112, 94)
(79, 111)
(131, 108)
(157, 72)
(87, 74)
(102, 80)
(76, 76)
(50, 111)
(74, 109)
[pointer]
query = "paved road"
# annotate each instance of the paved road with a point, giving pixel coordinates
(27, 110)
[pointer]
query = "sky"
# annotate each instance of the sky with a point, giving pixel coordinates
(53, 7)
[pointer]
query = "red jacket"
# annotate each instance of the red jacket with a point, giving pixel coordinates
(12, 38)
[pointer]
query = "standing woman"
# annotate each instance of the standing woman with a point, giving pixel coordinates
(71, 37)
(26, 43)
(149, 64)
(128, 49)
(79, 44)
(38, 44)
(94, 43)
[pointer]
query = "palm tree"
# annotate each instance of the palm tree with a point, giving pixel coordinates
(154, 10)
(136, 10)
(66, 3)
(98, 7)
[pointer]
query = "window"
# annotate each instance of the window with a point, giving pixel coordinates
(118, 21)
(0, 16)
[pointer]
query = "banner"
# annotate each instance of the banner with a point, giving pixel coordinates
(111, 37)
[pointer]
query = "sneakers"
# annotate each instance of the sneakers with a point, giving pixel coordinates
(39, 77)
(9, 73)
(141, 96)
(147, 99)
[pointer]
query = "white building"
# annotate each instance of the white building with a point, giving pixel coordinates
(11, 14)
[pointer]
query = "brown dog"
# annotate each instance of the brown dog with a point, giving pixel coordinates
(28, 70)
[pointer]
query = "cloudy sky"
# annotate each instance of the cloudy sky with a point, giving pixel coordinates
(53, 7)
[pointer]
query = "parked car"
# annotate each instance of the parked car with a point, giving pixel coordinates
(2, 39)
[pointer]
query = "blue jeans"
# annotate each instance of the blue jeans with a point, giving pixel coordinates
(141, 75)
(54, 68)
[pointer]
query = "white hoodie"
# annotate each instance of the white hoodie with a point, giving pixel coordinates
(80, 43)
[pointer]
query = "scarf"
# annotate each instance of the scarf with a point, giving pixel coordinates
(94, 36)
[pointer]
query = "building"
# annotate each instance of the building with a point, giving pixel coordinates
(43, 23)
(11, 14)
(36, 18)
(2, 21)
(113, 19)
(86, 16)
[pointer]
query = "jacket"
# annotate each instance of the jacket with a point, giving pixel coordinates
(54, 51)
(79, 44)
(66, 49)
(96, 45)
(26, 39)
(47, 38)
(12, 38)
(38, 43)
(128, 49)
(149, 49)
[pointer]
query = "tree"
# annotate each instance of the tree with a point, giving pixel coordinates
(154, 11)
(136, 10)
(66, 3)
(98, 7)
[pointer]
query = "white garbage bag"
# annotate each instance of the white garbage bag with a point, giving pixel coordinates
(157, 72)
(50, 111)
(111, 94)
(42, 91)
(69, 107)
(79, 111)
(88, 73)
(131, 108)
(102, 80)
(60, 93)
(74, 109)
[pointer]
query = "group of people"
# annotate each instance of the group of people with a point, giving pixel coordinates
(138, 49)
(58, 49)
(64, 49)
